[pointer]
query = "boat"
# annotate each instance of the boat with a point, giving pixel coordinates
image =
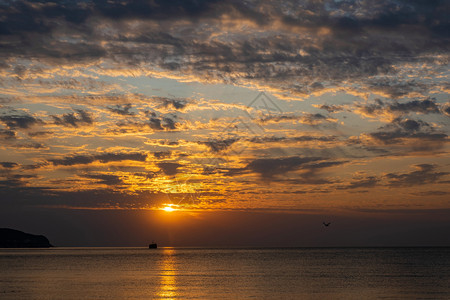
(153, 245)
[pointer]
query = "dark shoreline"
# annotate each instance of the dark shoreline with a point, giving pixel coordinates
(11, 238)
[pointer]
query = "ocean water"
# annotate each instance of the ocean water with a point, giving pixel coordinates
(192, 273)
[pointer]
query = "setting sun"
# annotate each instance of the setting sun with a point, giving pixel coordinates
(168, 208)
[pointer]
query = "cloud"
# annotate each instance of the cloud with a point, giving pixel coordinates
(219, 145)
(306, 118)
(70, 119)
(102, 198)
(103, 158)
(110, 180)
(425, 106)
(22, 121)
(169, 168)
(416, 135)
(425, 174)
(110, 59)
(315, 119)
(307, 47)
(30, 145)
(303, 138)
(146, 175)
(367, 182)
(269, 167)
(162, 154)
(7, 134)
(155, 124)
(15, 180)
(177, 104)
(169, 123)
(331, 108)
(8, 165)
(39, 133)
(446, 110)
(432, 193)
(159, 123)
(110, 157)
(396, 109)
(123, 110)
(394, 88)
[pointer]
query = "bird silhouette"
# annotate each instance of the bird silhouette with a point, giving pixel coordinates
(326, 224)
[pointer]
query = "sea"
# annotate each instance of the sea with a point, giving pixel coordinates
(231, 273)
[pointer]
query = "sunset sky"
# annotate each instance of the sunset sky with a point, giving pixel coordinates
(254, 120)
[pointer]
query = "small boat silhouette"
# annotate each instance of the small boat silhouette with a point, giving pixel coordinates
(153, 245)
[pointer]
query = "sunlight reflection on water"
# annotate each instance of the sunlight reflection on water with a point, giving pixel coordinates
(168, 286)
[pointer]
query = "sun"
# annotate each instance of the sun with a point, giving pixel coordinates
(168, 208)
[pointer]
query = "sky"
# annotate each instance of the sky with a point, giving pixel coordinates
(254, 121)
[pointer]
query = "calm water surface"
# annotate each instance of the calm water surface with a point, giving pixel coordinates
(180, 273)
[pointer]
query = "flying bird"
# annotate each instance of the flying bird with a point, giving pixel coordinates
(326, 224)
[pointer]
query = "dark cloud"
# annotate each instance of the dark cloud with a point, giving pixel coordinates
(160, 123)
(331, 108)
(16, 180)
(367, 182)
(39, 133)
(424, 106)
(110, 157)
(325, 164)
(397, 89)
(93, 198)
(269, 167)
(169, 123)
(343, 39)
(303, 138)
(29, 145)
(405, 131)
(73, 160)
(16, 121)
(8, 165)
(432, 193)
(219, 145)
(384, 14)
(71, 119)
(279, 118)
(177, 104)
(411, 125)
(7, 134)
(162, 154)
(104, 158)
(424, 174)
(314, 119)
(398, 136)
(307, 118)
(169, 168)
(146, 175)
(123, 110)
(446, 110)
(110, 180)
(11, 183)
(158, 9)
(155, 124)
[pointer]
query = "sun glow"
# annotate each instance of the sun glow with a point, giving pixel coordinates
(169, 208)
